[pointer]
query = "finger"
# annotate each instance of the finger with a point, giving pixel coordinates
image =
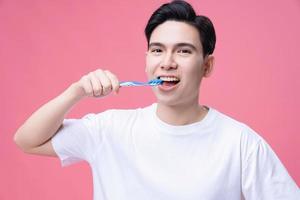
(96, 85)
(87, 85)
(105, 81)
(114, 81)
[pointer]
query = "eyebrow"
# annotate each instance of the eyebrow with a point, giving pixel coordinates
(181, 44)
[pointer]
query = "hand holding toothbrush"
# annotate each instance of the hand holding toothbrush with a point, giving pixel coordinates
(100, 83)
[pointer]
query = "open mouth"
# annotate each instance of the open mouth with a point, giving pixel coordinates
(169, 80)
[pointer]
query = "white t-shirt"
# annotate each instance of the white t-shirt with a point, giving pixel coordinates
(136, 156)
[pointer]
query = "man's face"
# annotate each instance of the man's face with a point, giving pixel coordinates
(175, 56)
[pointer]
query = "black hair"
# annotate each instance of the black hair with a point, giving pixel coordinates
(183, 12)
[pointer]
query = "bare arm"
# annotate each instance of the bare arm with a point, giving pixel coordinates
(34, 136)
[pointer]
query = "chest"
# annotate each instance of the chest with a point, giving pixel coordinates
(166, 167)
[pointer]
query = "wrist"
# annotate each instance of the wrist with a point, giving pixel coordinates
(74, 92)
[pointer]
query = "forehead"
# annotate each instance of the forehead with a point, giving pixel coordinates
(173, 32)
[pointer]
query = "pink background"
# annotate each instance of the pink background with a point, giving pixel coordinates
(47, 45)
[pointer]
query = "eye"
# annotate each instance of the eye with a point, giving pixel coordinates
(156, 50)
(184, 51)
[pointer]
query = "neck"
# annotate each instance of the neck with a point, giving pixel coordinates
(181, 114)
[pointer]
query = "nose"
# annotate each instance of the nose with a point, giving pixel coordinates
(168, 62)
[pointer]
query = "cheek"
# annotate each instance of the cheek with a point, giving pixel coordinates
(148, 69)
(148, 72)
(193, 71)
(192, 67)
(151, 64)
(198, 65)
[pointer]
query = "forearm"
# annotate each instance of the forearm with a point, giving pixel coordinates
(45, 122)
(33, 136)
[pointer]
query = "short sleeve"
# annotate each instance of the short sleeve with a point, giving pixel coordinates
(78, 139)
(265, 177)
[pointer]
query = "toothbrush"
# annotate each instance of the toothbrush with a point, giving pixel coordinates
(153, 82)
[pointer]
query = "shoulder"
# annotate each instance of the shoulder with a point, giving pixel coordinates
(112, 117)
(229, 123)
(248, 137)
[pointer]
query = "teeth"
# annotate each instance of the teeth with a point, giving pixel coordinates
(168, 78)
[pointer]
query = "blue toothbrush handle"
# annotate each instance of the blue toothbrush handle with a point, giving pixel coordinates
(132, 83)
(153, 82)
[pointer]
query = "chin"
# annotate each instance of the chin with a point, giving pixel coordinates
(176, 100)
(168, 101)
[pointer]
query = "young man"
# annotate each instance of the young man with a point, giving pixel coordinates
(173, 149)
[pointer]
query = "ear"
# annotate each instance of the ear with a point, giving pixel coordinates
(208, 65)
